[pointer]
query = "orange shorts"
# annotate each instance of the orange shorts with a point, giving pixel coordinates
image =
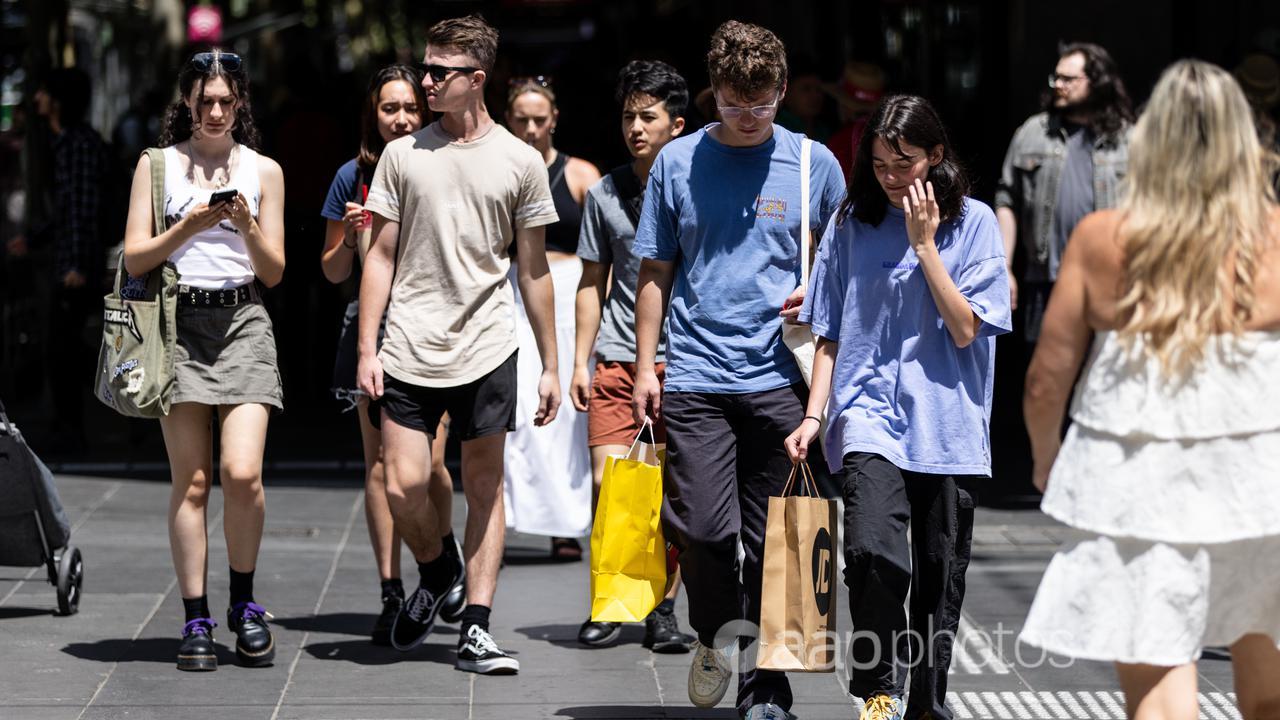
(609, 419)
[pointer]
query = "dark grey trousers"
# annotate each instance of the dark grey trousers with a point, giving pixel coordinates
(881, 566)
(724, 459)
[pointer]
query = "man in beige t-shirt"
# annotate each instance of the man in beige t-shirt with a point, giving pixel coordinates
(448, 201)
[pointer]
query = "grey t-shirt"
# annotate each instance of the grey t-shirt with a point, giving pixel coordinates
(1075, 193)
(606, 237)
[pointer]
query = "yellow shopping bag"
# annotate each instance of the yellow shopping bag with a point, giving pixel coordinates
(628, 551)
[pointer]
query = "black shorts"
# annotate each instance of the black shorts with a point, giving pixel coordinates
(486, 406)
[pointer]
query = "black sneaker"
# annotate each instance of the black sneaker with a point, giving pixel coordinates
(599, 634)
(478, 653)
(414, 621)
(196, 651)
(662, 633)
(455, 601)
(254, 645)
(382, 626)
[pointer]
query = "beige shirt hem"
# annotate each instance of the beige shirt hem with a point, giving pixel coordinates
(476, 369)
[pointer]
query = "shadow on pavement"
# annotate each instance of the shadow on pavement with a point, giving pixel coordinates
(533, 556)
(643, 712)
(363, 652)
(566, 636)
(155, 650)
(8, 613)
(343, 623)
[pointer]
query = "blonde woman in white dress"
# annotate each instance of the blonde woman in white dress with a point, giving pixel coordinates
(1171, 468)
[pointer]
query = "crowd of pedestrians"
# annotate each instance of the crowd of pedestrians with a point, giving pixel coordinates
(497, 275)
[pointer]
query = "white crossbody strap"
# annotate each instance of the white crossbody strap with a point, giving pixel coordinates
(806, 147)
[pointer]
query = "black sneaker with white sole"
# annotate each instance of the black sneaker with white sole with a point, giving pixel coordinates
(416, 617)
(478, 653)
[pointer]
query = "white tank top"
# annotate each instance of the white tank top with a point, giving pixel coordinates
(214, 259)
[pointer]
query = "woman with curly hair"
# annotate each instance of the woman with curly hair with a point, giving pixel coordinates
(224, 207)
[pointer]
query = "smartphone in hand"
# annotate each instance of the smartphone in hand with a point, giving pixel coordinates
(222, 196)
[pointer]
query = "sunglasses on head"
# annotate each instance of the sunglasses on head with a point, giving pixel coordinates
(204, 61)
(542, 81)
(438, 73)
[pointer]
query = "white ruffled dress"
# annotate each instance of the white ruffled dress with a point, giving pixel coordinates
(1178, 486)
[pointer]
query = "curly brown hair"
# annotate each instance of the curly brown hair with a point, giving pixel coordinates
(746, 59)
(179, 125)
(469, 35)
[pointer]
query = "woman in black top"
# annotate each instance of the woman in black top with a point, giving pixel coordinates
(560, 505)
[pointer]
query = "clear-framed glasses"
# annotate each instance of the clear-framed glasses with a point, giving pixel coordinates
(202, 61)
(439, 72)
(1056, 78)
(759, 112)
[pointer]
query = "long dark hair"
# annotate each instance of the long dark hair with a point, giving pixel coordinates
(912, 120)
(1108, 105)
(371, 142)
(178, 123)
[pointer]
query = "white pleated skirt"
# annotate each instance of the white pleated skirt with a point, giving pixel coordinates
(548, 469)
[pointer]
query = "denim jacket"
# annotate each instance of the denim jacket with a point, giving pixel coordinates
(1030, 176)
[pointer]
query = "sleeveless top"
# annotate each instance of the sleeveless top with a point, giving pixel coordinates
(1191, 459)
(562, 235)
(214, 259)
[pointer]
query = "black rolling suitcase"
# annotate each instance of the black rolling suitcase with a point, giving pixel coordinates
(33, 527)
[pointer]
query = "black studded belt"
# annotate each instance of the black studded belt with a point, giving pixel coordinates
(200, 297)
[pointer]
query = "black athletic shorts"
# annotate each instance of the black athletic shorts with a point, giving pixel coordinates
(486, 406)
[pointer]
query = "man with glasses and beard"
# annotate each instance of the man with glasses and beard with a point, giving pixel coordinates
(448, 201)
(1062, 164)
(720, 234)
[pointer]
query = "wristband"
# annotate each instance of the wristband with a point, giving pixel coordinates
(810, 417)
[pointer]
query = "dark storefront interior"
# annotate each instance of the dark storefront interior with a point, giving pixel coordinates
(982, 64)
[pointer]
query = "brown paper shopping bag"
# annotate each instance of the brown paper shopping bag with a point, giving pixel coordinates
(797, 609)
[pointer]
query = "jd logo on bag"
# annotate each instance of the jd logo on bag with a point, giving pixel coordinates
(797, 620)
(822, 568)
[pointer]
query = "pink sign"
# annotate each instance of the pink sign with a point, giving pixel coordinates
(204, 24)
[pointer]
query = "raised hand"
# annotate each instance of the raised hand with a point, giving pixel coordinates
(922, 216)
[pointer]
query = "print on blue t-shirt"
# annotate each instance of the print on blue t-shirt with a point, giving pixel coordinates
(729, 218)
(901, 387)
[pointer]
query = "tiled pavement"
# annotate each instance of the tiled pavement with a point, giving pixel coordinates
(115, 658)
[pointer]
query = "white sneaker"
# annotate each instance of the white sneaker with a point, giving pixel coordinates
(709, 676)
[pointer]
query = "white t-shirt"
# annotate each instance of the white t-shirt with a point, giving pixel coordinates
(214, 259)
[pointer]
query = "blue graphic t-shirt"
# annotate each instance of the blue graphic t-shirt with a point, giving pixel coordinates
(729, 218)
(901, 387)
(342, 190)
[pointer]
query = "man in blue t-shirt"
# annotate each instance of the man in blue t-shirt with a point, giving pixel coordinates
(720, 233)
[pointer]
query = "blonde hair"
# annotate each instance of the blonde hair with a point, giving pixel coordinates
(540, 86)
(1195, 214)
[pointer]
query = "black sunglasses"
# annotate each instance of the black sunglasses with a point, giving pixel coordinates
(439, 72)
(203, 61)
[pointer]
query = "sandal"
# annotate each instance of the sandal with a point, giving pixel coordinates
(565, 549)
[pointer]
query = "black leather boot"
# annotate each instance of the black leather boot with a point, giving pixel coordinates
(254, 645)
(196, 651)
